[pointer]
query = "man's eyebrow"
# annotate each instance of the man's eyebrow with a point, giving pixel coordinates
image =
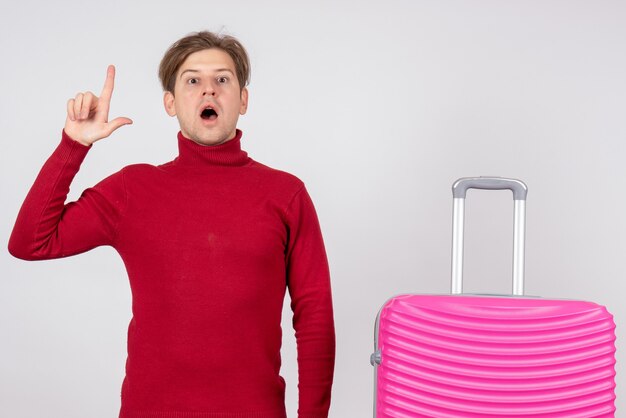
(190, 70)
(219, 70)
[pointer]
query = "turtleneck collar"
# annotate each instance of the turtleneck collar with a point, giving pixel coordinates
(229, 153)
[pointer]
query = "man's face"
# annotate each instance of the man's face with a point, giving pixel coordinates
(207, 98)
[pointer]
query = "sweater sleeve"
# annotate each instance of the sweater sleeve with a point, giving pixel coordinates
(308, 279)
(48, 228)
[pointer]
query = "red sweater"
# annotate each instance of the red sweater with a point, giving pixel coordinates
(210, 241)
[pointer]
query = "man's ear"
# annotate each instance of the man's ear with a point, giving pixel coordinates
(244, 101)
(168, 102)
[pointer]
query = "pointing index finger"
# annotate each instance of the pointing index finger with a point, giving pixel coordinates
(107, 90)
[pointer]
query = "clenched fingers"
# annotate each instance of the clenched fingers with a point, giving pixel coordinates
(80, 106)
(70, 110)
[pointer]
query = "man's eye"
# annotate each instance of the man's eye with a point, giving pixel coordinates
(222, 80)
(192, 81)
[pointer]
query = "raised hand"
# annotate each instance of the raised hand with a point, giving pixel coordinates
(88, 115)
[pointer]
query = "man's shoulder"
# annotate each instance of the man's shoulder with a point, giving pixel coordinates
(139, 172)
(282, 178)
(143, 168)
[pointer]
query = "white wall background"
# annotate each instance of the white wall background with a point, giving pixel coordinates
(378, 107)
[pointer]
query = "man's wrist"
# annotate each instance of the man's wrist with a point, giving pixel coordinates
(65, 134)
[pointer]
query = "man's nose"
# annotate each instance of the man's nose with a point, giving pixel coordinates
(209, 89)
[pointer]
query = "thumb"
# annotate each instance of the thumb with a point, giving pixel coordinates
(117, 123)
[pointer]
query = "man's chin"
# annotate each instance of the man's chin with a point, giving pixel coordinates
(209, 140)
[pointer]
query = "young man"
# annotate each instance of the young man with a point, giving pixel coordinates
(210, 240)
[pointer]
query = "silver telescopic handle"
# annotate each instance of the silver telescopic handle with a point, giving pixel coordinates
(459, 190)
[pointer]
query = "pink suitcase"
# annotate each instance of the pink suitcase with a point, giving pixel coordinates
(462, 355)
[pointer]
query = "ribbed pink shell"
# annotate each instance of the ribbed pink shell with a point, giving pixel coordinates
(474, 356)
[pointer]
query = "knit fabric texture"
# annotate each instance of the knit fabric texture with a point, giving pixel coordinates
(211, 242)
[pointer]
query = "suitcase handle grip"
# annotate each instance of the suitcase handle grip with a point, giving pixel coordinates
(460, 187)
(459, 190)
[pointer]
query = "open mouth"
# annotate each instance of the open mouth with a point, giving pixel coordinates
(208, 114)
